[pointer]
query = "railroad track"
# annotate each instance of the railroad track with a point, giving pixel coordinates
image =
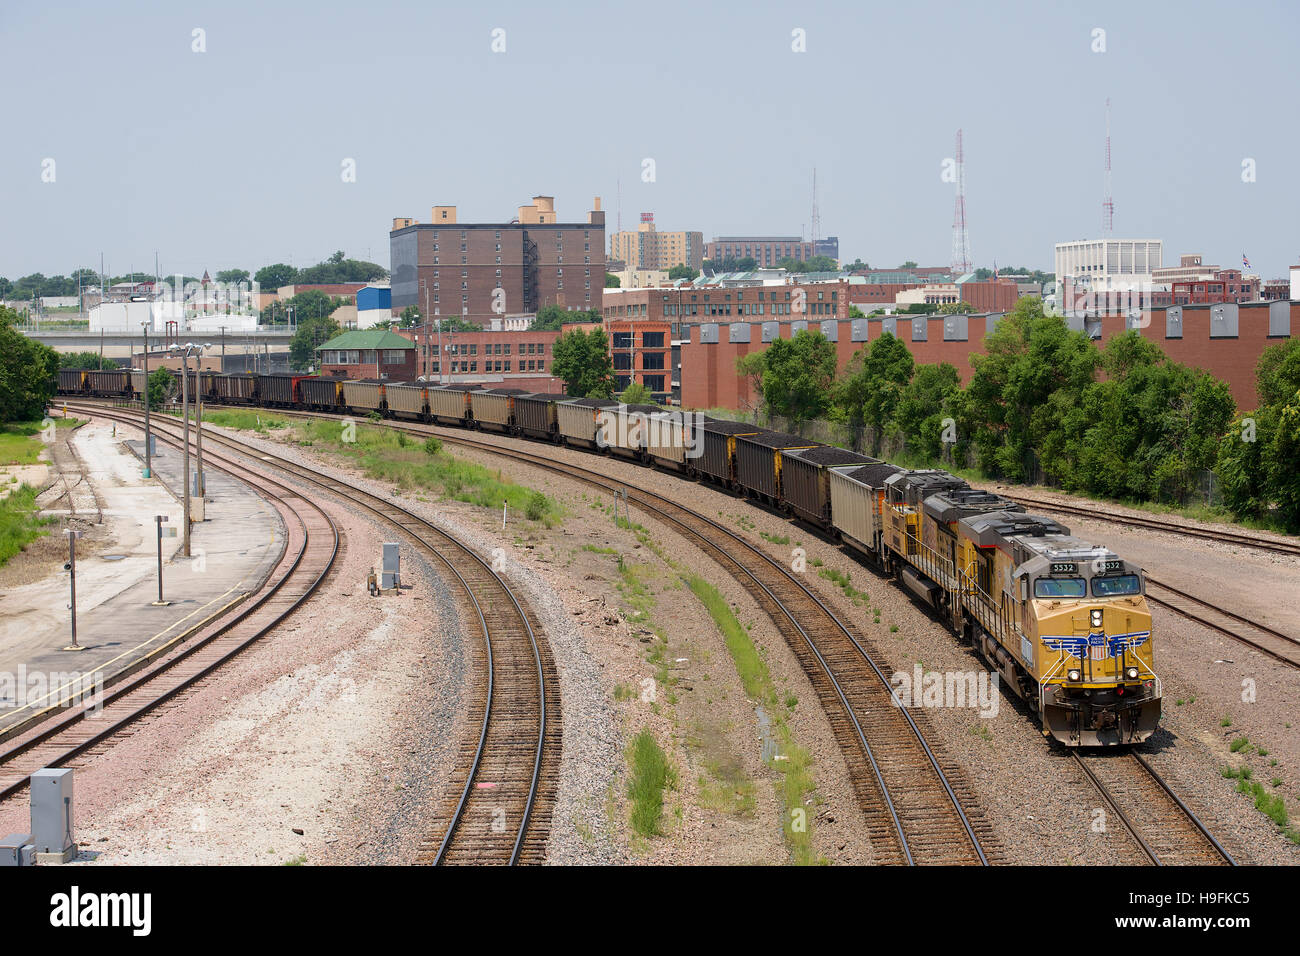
(1157, 524)
(914, 801)
(507, 773)
(1164, 829)
(85, 728)
(1277, 645)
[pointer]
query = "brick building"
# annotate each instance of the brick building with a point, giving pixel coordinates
(1224, 339)
(480, 271)
(766, 251)
(1226, 285)
(515, 359)
(647, 248)
(369, 353)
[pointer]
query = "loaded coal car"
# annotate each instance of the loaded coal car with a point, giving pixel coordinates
(535, 415)
(278, 390)
(322, 394)
(72, 381)
(857, 506)
(493, 409)
(407, 400)
(110, 383)
(449, 404)
(623, 429)
(578, 420)
(806, 483)
(717, 459)
(363, 396)
(236, 388)
(758, 462)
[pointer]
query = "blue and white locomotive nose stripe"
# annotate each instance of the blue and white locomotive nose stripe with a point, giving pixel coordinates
(1108, 645)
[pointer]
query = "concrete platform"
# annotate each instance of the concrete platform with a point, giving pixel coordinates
(233, 552)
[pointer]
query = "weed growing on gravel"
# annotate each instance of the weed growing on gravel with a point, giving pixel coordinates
(651, 775)
(244, 419)
(797, 787)
(774, 538)
(1226, 722)
(20, 524)
(844, 581)
(1239, 744)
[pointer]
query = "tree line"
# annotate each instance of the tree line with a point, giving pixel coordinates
(1046, 404)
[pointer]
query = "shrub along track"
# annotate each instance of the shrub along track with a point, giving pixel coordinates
(73, 728)
(504, 787)
(917, 804)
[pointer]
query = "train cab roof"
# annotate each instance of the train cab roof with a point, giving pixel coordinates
(957, 503)
(914, 486)
(998, 528)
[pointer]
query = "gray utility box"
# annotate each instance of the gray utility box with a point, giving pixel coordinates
(17, 850)
(391, 576)
(52, 811)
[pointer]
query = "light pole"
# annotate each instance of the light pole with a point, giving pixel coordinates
(148, 436)
(185, 442)
(201, 484)
(73, 535)
(159, 520)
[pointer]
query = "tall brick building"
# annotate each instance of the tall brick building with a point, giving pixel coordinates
(450, 268)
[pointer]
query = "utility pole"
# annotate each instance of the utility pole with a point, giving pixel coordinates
(200, 483)
(185, 443)
(73, 535)
(148, 436)
(158, 520)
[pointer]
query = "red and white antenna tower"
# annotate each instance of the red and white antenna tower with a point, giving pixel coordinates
(1108, 204)
(816, 215)
(961, 260)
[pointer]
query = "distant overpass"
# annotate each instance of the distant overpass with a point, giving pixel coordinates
(122, 345)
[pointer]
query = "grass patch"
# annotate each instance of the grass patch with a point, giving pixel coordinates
(651, 775)
(844, 581)
(21, 443)
(1239, 744)
(1270, 804)
(245, 419)
(19, 522)
(775, 538)
(797, 787)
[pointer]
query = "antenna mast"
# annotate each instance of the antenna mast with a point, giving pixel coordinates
(816, 216)
(1108, 203)
(961, 260)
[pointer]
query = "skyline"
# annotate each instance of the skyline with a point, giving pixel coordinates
(252, 134)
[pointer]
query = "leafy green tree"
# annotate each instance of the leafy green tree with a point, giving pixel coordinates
(338, 268)
(909, 264)
(855, 312)
(857, 266)
(582, 361)
(1034, 373)
(28, 372)
(872, 384)
(751, 367)
(798, 375)
(84, 360)
(161, 385)
(956, 308)
(551, 318)
(636, 394)
(312, 333)
(275, 276)
(233, 276)
(612, 281)
(923, 404)
(410, 317)
(683, 271)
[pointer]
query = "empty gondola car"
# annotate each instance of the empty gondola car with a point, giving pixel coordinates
(364, 396)
(806, 483)
(322, 394)
(578, 420)
(535, 415)
(758, 462)
(236, 388)
(72, 381)
(408, 401)
(449, 404)
(493, 409)
(717, 458)
(109, 383)
(277, 390)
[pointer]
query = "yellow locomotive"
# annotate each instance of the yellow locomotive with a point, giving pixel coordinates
(1063, 621)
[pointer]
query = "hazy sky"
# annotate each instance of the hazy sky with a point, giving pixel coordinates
(233, 157)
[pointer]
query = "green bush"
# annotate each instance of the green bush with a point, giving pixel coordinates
(537, 506)
(433, 445)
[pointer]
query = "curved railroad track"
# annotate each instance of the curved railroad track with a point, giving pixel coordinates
(1169, 833)
(914, 801)
(1158, 524)
(506, 776)
(85, 727)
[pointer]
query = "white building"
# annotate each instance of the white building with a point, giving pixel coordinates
(1295, 283)
(1106, 265)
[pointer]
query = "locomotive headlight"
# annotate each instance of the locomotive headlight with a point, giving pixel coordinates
(1131, 673)
(1075, 675)
(1096, 617)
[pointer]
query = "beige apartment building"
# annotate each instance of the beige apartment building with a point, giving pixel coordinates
(647, 248)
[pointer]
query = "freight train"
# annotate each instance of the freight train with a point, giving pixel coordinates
(1064, 622)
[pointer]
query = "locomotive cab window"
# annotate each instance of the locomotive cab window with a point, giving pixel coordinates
(1060, 588)
(1116, 585)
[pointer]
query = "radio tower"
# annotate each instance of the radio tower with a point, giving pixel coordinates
(1107, 204)
(816, 216)
(961, 262)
